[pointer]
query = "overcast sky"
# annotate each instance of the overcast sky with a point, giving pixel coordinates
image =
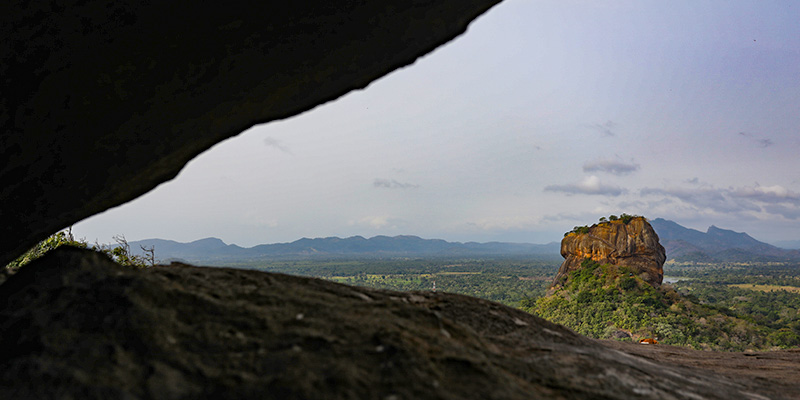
(543, 116)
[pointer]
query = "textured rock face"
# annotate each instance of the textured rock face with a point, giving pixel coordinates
(634, 245)
(75, 325)
(101, 101)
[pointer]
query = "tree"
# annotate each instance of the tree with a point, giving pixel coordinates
(121, 253)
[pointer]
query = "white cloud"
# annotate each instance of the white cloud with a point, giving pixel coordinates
(506, 223)
(377, 222)
(775, 200)
(590, 185)
(784, 211)
(705, 197)
(767, 194)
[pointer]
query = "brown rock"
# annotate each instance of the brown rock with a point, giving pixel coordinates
(633, 245)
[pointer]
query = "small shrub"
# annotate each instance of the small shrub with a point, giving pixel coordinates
(583, 297)
(121, 253)
(628, 283)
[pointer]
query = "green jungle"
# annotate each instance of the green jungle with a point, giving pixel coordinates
(730, 307)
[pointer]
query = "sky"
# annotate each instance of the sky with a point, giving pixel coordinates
(543, 116)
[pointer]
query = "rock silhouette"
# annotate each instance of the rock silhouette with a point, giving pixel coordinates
(104, 100)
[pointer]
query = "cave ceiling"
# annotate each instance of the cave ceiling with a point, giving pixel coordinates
(101, 101)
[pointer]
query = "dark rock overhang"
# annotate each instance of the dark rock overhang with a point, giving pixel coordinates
(101, 101)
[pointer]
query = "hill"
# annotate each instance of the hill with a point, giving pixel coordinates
(605, 301)
(716, 245)
(609, 287)
(213, 250)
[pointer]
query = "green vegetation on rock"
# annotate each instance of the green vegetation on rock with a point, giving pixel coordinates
(121, 253)
(625, 218)
(605, 301)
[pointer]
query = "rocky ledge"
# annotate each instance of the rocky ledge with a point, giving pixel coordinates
(75, 325)
(630, 243)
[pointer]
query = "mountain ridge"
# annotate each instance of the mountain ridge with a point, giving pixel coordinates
(682, 244)
(214, 249)
(716, 245)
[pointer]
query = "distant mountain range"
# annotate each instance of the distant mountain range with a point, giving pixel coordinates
(215, 251)
(681, 243)
(716, 245)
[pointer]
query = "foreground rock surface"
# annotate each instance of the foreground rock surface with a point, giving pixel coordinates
(75, 325)
(633, 245)
(778, 369)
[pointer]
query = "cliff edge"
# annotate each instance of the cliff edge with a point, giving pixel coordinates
(627, 242)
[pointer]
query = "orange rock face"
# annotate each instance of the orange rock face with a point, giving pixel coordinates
(634, 245)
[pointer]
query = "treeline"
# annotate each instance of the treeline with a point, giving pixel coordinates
(776, 309)
(507, 280)
(510, 290)
(784, 274)
(402, 266)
